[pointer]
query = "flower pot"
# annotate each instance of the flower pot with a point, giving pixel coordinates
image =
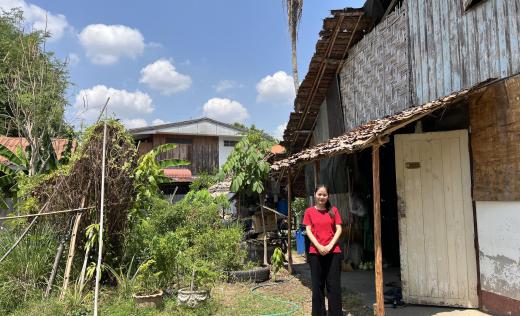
(153, 300)
(192, 298)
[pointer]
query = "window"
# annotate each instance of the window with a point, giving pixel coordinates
(468, 4)
(230, 143)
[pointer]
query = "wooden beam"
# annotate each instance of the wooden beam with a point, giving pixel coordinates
(289, 221)
(380, 302)
(72, 249)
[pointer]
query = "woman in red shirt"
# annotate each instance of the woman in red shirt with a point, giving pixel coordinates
(323, 227)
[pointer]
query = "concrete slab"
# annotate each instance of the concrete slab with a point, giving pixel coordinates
(362, 282)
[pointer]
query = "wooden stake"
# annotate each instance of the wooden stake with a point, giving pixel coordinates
(72, 249)
(380, 303)
(263, 228)
(57, 258)
(289, 220)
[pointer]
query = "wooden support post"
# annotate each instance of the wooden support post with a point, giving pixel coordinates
(316, 173)
(380, 303)
(263, 228)
(289, 221)
(72, 249)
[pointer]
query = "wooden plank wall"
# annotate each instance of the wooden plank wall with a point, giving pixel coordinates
(321, 130)
(200, 151)
(495, 142)
(374, 79)
(453, 49)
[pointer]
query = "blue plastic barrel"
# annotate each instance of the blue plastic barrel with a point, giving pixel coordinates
(300, 242)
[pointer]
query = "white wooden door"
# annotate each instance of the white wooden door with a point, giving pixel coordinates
(436, 235)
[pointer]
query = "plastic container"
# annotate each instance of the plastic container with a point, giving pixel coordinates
(300, 242)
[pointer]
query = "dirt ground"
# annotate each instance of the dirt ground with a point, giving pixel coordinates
(238, 298)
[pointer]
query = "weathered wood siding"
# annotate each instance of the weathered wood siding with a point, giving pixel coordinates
(374, 79)
(334, 110)
(321, 130)
(200, 151)
(452, 49)
(495, 142)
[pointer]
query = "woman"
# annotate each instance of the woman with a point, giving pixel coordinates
(323, 227)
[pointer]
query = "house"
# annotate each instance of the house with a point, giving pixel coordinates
(204, 142)
(414, 122)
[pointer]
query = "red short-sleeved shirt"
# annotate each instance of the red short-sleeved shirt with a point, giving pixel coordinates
(322, 226)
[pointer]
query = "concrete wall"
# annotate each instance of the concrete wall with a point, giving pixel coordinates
(499, 247)
(223, 151)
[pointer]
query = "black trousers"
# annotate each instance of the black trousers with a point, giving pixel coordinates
(326, 273)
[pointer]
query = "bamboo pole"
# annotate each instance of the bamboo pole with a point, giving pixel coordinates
(289, 221)
(46, 213)
(380, 303)
(101, 215)
(72, 250)
(55, 265)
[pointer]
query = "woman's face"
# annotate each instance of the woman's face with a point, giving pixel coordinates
(321, 196)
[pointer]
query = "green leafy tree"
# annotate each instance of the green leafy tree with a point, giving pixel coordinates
(149, 174)
(249, 169)
(32, 90)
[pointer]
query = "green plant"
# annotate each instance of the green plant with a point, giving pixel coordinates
(149, 174)
(276, 261)
(126, 281)
(202, 181)
(298, 207)
(147, 281)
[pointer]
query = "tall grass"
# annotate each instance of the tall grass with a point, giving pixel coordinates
(24, 273)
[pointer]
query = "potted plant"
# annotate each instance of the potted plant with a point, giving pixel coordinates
(198, 291)
(147, 290)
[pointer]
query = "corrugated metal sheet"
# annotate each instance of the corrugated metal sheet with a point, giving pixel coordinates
(453, 49)
(374, 79)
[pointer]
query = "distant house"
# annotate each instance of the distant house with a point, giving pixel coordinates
(11, 143)
(204, 142)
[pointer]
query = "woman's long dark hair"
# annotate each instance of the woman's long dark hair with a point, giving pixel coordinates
(327, 204)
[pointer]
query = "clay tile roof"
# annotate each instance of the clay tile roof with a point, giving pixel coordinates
(367, 134)
(12, 142)
(179, 175)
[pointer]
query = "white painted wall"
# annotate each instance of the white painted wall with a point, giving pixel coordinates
(499, 242)
(223, 152)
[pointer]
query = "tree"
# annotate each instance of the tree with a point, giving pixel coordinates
(294, 13)
(32, 90)
(249, 169)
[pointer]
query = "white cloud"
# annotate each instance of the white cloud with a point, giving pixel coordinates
(225, 110)
(159, 122)
(37, 18)
(134, 123)
(278, 88)
(73, 59)
(224, 85)
(106, 44)
(278, 132)
(162, 76)
(122, 103)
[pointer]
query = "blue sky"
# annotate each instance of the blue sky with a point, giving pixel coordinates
(167, 61)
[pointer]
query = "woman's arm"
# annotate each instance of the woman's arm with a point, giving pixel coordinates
(314, 241)
(334, 240)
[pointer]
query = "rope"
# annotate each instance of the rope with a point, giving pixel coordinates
(294, 307)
